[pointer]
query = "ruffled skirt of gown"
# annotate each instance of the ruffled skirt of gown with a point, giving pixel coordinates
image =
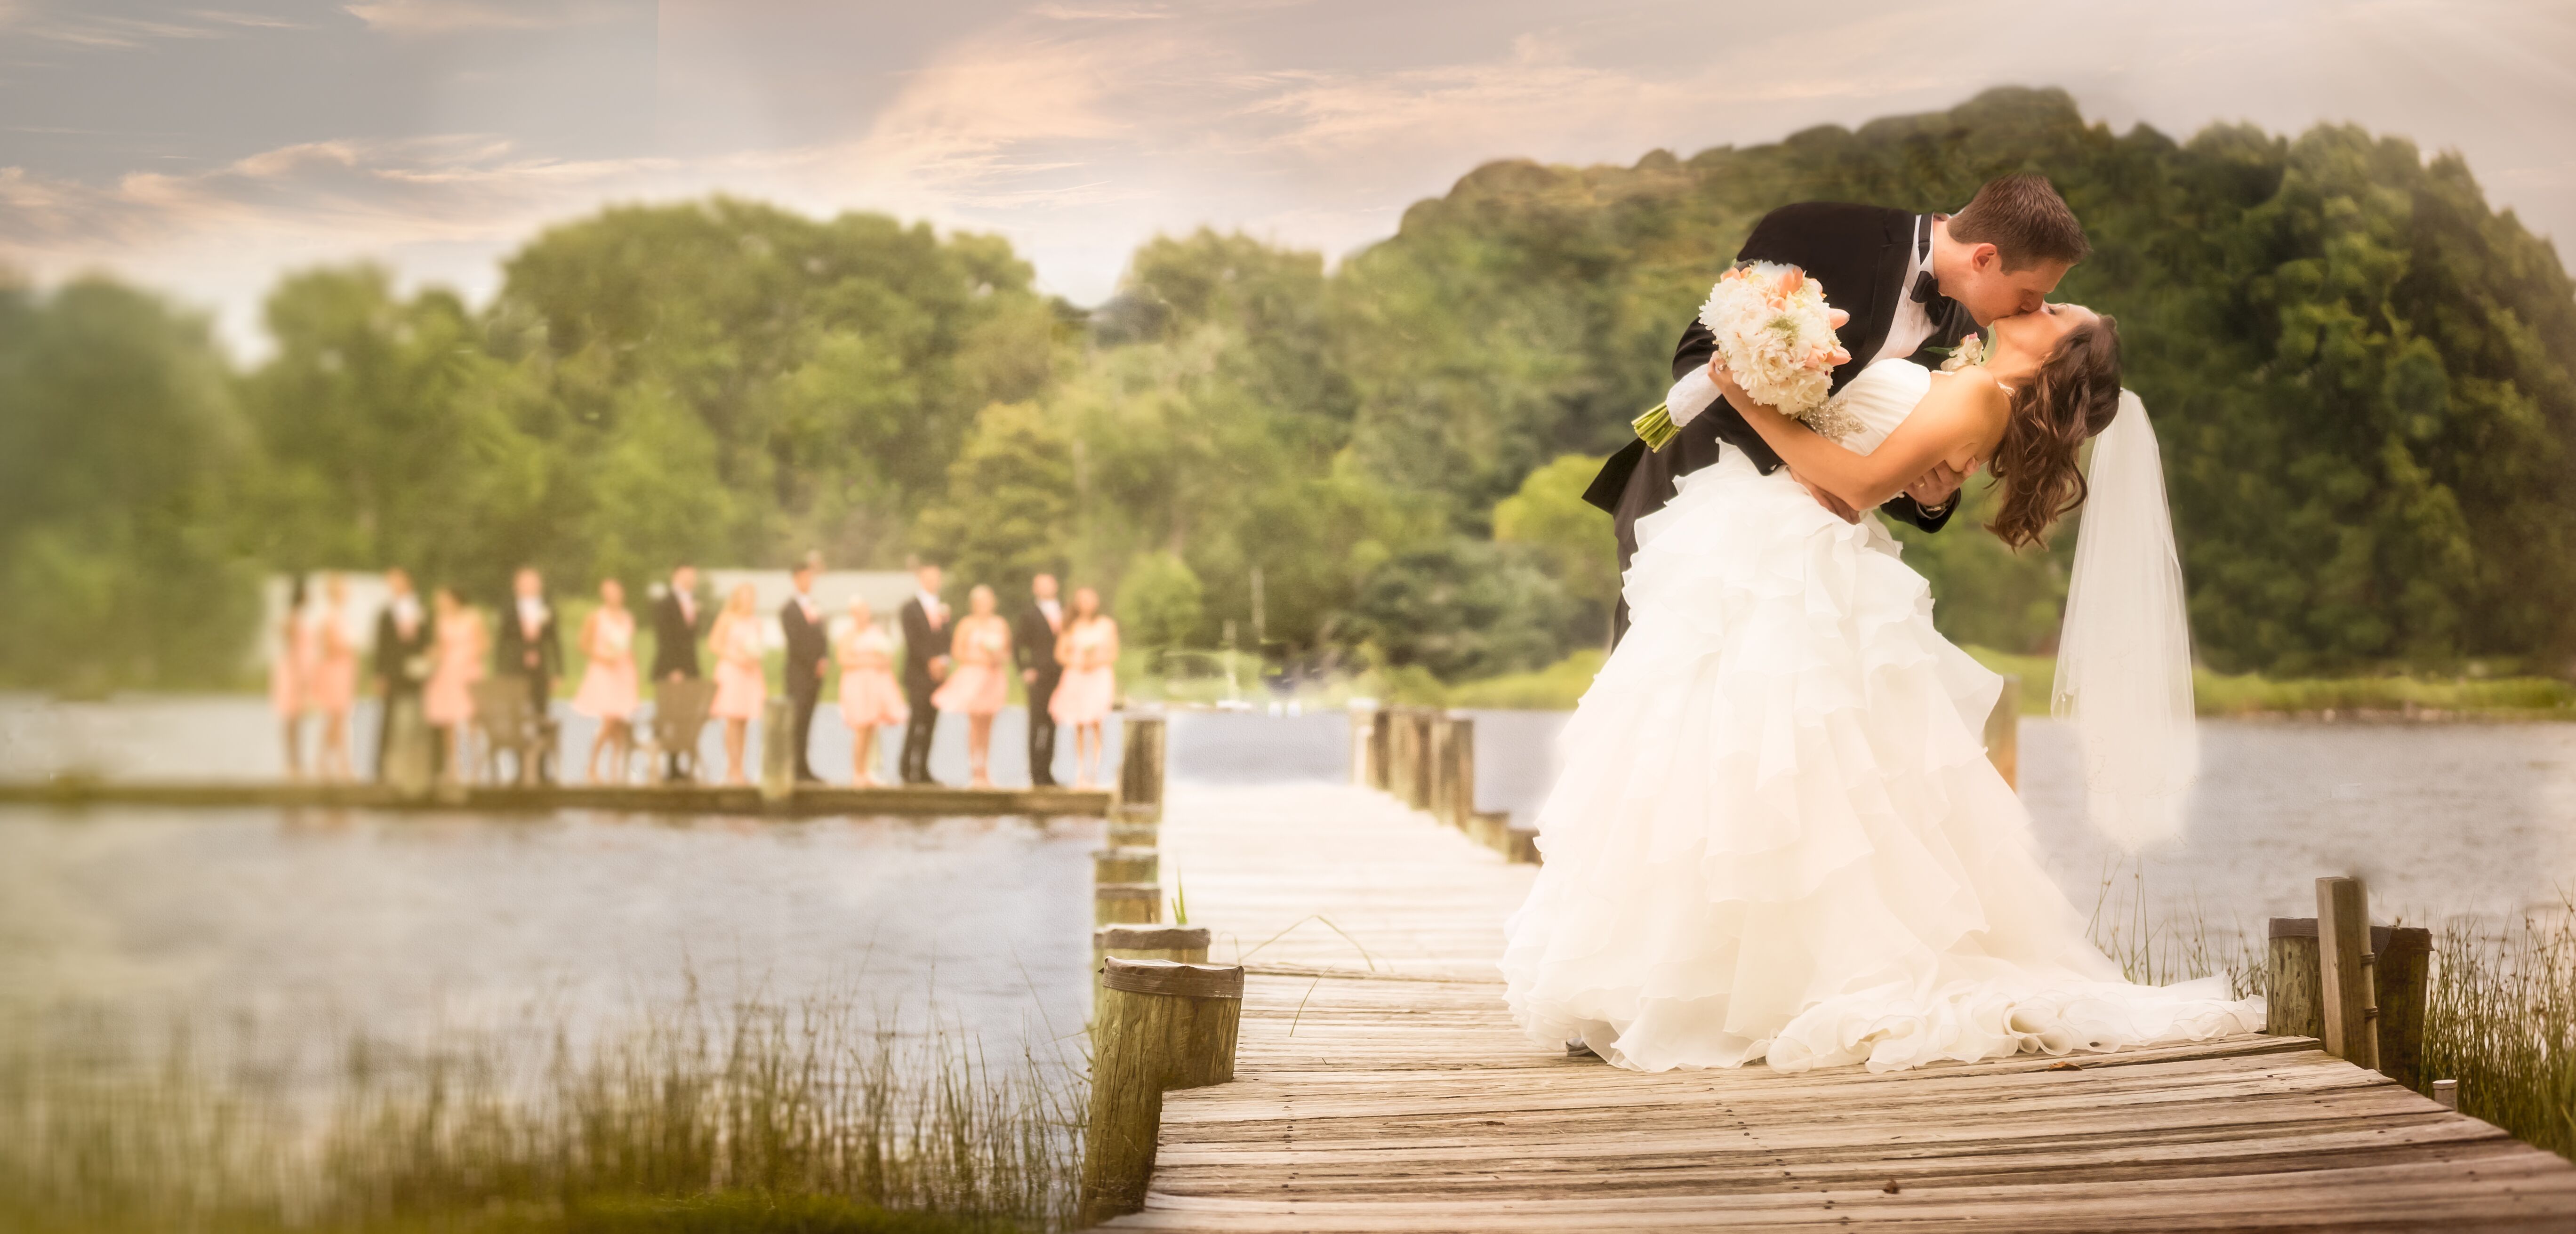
(1777, 835)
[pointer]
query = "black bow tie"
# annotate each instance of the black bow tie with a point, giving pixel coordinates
(1927, 289)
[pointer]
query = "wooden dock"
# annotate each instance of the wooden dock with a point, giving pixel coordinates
(1380, 1086)
(803, 802)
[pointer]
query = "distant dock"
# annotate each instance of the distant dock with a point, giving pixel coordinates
(803, 802)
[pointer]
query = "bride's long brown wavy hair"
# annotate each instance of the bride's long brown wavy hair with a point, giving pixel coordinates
(2072, 397)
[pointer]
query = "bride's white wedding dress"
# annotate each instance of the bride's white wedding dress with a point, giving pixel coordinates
(1777, 835)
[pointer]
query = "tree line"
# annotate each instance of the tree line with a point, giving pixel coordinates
(2358, 369)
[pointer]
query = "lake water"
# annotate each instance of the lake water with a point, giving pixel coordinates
(335, 921)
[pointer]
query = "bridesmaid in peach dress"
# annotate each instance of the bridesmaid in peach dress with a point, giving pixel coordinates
(742, 678)
(1088, 650)
(290, 677)
(978, 681)
(608, 691)
(869, 696)
(447, 702)
(333, 688)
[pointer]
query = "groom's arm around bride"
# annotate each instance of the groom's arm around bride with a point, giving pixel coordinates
(1910, 281)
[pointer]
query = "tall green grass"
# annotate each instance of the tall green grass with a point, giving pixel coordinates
(2502, 1021)
(758, 1116)
(2500, 1015)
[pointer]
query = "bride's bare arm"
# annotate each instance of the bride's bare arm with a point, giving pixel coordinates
(1957, 423)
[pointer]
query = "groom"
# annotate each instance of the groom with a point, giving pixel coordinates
(1910, 282)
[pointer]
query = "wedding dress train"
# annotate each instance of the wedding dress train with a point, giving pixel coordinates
(1777, 836)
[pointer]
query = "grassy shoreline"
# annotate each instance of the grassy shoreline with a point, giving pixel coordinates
(756, 1117)
(2249, 696)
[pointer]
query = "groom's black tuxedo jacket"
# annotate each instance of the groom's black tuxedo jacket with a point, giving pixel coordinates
(1860, 254)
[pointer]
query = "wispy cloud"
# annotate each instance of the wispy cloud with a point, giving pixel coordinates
(436, 17)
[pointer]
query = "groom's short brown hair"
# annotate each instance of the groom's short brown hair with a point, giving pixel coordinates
(2024, 218)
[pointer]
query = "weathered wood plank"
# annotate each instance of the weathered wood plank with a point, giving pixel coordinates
(1382, 1087)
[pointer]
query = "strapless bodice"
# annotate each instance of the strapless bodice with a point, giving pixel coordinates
(1870, 406)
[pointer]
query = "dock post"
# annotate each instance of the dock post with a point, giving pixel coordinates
(1182, 944)
(1126, 904)
(1433, 766)
(410, 748)
(1396, 777)
(777, 752)
(2293, 999)
(1140, 765)
(1363, 736)
(1381, 731)
(2344, 964)
(1161, 1025)
(1126, 832)
(2003, 732)
(1460, 772)
(2401, 986)
(1126, 865)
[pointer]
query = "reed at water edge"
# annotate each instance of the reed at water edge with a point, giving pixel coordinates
(2500, 1016)
(753, 1117)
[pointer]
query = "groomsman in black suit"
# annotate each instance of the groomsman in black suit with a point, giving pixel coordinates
(401, 658)
(528, 646)
(801, 620)
(679, 621)
(925, 661)
(1033, 645)
(1912, 282)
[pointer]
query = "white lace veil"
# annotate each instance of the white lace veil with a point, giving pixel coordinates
(2124, 654)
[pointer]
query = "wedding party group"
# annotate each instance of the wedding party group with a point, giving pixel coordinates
(439, 657)
(1776, 837)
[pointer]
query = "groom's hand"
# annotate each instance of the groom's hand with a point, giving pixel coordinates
(1936, 488)
(1841, 509)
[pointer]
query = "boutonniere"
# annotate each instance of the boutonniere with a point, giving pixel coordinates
(1970, 353)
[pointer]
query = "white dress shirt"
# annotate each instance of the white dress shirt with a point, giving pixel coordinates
(1912, 326)
(932, 608)
(1054, 611)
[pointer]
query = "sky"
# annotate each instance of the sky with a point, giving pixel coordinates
(206, 146)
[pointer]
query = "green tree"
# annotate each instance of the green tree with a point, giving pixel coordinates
(1160, 602)
(1464, 608)
(1010, 499)
(119, 443)
(1569, 534)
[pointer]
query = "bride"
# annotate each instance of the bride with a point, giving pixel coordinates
(1777, 836)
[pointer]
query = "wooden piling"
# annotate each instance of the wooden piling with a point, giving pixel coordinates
(777, 751)
(2344, 963)
(1438, 769)
(1126, 904)
(2295, 990)
(1402, 758)
(2294, 1002)
(1181, 944)
(410, 749)
(2401, 980)
(1160, 1025)
(1140, 766)
(1134, 833)
(2003, 732)
(1458, 771)
(1126, 865)
(1366, 751)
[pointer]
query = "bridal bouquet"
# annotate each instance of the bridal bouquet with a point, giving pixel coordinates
(1776, 334)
